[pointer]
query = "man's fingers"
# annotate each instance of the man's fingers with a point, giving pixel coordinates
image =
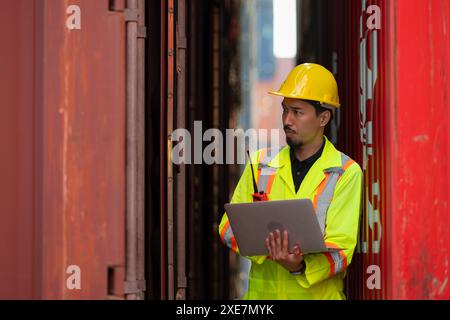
(296, 250)
(268, 247)
(278, 241)
(273, 246)
(285, 245)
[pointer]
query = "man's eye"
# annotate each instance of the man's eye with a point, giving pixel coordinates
(297, 112)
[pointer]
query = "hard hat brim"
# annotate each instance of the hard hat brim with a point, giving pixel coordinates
(277, 93)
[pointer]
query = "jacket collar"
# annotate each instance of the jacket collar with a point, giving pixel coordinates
(330, 157)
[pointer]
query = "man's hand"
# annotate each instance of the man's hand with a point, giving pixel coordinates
(278, 248)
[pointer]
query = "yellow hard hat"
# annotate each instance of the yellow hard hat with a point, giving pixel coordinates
(310, 81)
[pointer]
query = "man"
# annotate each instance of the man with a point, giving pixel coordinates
(308, 167)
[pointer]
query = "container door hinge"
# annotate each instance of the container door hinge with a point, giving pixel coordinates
(134, 286)
(142, 32)
(131, 15)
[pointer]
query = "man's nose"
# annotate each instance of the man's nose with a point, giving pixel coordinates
(288, 118)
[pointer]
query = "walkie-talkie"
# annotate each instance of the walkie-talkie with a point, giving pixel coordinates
(257, 195)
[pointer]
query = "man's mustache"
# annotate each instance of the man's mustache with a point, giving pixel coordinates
(289, 128)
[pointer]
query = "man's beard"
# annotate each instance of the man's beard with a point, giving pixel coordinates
(294, 144)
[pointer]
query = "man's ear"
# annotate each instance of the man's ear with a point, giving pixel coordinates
(325, 118)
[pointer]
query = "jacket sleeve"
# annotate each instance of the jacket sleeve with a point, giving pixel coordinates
(341, 231)
(242, 193)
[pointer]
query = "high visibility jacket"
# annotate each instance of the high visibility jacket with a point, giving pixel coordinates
(334, 185)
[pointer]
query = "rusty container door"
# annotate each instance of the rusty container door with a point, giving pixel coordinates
(83, 146)
(65, 162)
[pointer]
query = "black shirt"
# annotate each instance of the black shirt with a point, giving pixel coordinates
(301, 168)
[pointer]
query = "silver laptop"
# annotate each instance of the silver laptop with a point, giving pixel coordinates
(252, 222)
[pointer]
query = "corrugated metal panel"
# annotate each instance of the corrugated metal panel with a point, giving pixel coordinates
(346, 59)
(373, 106)
(364, 134)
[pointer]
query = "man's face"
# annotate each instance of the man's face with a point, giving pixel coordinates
(301, 123)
